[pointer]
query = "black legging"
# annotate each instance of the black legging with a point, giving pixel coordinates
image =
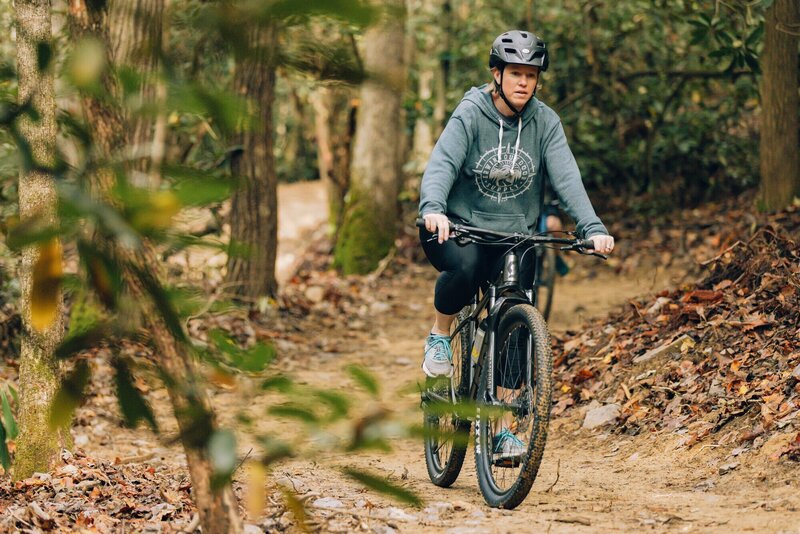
(464, 269)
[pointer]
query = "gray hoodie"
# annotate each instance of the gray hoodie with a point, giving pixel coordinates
(488, 170)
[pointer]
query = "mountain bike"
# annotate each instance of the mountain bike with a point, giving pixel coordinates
(502, 376)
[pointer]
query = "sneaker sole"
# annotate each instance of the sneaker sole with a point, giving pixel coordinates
(435, 375)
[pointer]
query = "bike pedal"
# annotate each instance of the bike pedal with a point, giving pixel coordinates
(507, 462)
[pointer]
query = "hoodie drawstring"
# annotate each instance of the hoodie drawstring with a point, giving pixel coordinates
(516, 145)
(500, 143)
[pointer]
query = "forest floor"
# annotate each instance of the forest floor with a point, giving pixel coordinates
(600, 480)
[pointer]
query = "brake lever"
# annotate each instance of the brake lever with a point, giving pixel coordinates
(603, 256)
(585, 252)
(460, 239)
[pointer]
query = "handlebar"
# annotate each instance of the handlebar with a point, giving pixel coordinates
(464, 235)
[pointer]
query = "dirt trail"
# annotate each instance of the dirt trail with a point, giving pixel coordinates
(599, 482)
(302, 208)
(590, 481)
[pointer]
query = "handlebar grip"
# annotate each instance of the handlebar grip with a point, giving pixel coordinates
(420, 223)
(587, 244)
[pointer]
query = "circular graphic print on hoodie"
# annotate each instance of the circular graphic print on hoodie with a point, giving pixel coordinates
(507, 177)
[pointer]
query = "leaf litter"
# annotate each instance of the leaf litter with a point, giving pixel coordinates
(718, 358)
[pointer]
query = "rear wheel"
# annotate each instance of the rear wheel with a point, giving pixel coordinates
(446, 427)
(546, 280)
(514, 405)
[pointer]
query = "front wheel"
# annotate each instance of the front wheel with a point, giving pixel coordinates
(514, 408)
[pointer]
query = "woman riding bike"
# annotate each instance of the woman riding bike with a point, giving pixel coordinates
(488, 169)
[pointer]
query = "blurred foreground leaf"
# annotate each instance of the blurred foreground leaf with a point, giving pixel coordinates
(134, 407)
(46, 286)
(82, 340)
(326, 61)
(225, 109)
(440, 434)
(352, 11)
(86, 65)
(28, 232)
(364, 378)
(280, 383)
(195, 187)
(5, 457)
(77, 203)
(103, 272)
(256, 497)
(69, 395)
(150, 211)
(8, 417)
(253, 360)
(337, 402)
(222, 453)
(382, 485)
(44, 55)
(162, 302)
(274, 450)
(298, 510)
(293, 411)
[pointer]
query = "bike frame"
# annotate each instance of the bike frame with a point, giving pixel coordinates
(495, 298)
(505, 291)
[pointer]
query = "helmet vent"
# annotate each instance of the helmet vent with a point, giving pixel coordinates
(524, 35)
(510, 50)
(507, 40)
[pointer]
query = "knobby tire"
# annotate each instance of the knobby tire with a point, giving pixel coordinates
(516, 480)
(446, 433)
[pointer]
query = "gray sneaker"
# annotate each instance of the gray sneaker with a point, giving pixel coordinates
(438, 356)
(508, 449)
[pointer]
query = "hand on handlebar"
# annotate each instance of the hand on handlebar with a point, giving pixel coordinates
(438, 223)
(603, 244)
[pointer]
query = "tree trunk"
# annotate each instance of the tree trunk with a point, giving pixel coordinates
(136, 35)
(443, 73)
(430, 90)
(335, 126)
(217, 508)
(371, 211)
(37, 445)
(423, 130)
(779, 154)
(254, 206)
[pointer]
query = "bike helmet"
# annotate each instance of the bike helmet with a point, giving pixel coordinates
(519, 47)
